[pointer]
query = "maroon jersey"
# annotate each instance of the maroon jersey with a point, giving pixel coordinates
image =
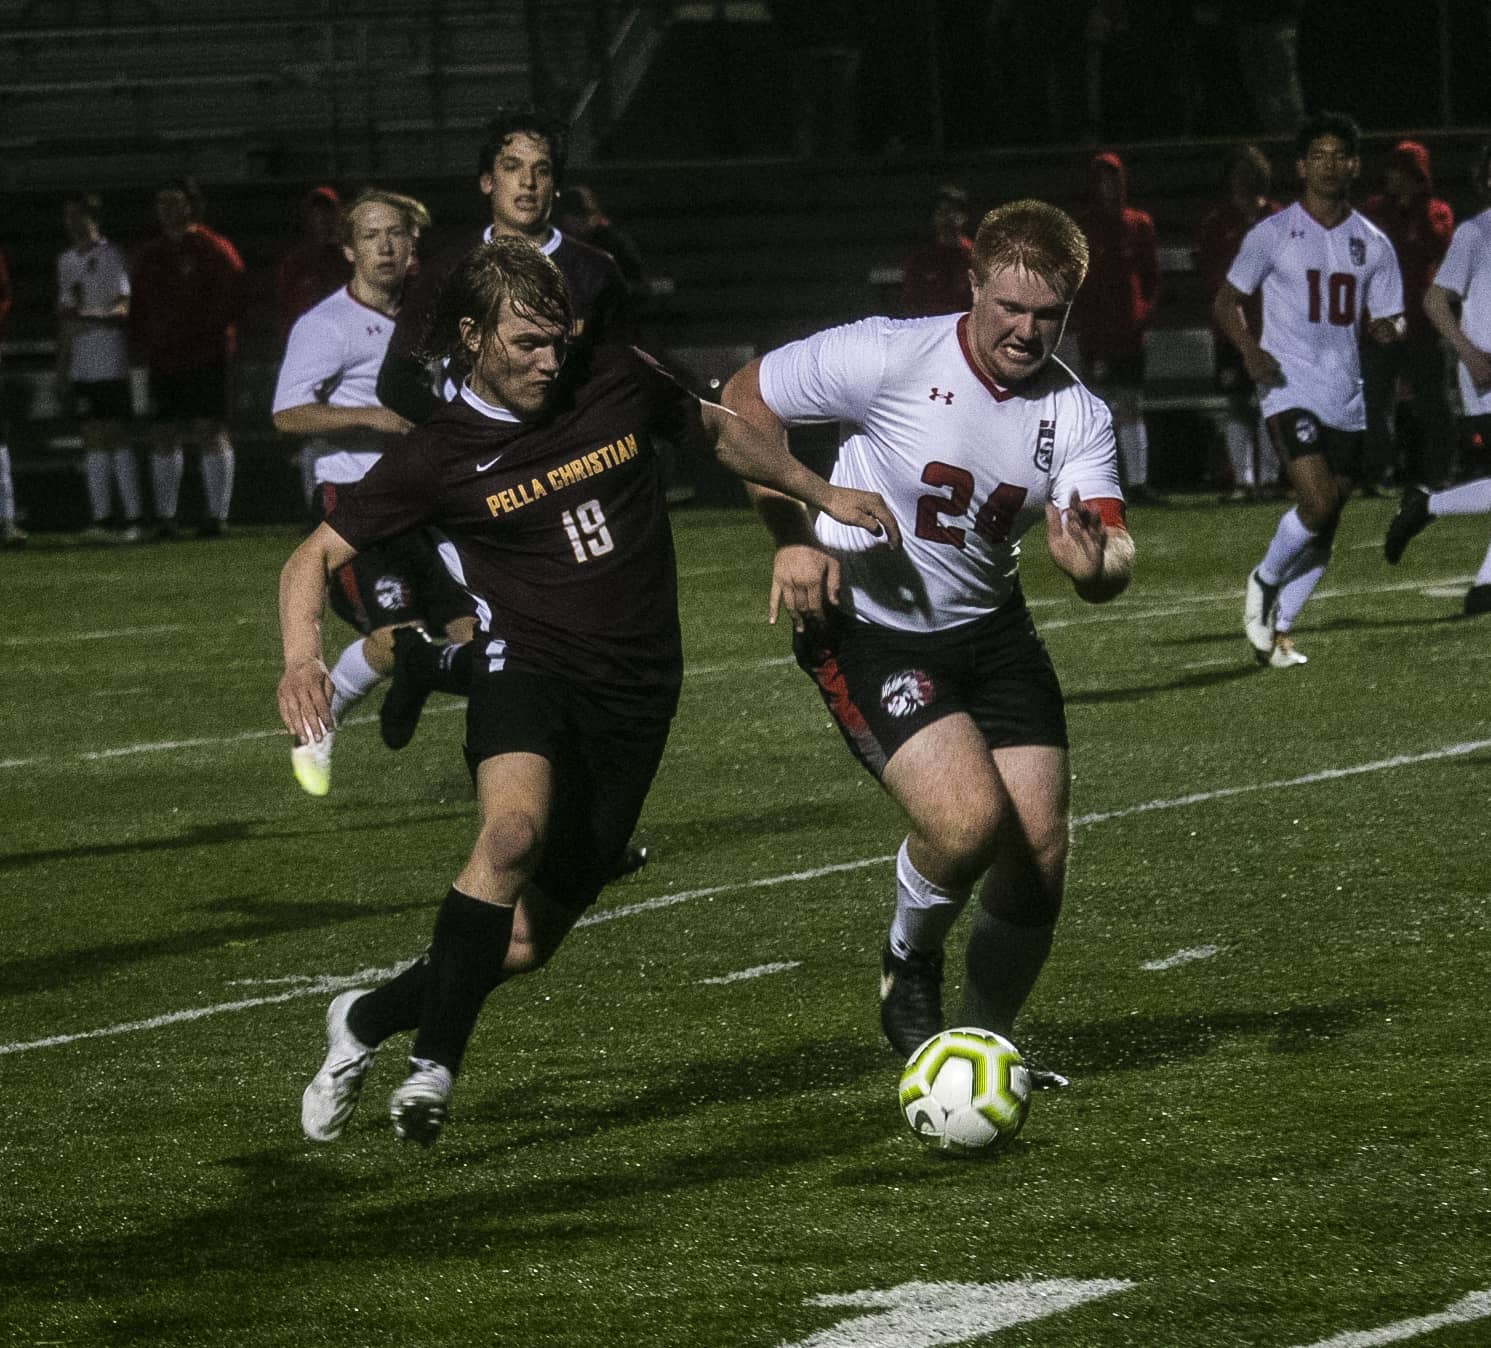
(184, 299)
(1420, 231)
(558, 528)
(1114, 305)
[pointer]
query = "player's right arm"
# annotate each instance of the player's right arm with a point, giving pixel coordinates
(1227, 311)
(804, 578)
(312, 366)
(1438, 308)
(305, 686)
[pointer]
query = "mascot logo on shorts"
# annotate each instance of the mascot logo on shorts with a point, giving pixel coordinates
(391, 593)
(1306, 429)
(903, 693)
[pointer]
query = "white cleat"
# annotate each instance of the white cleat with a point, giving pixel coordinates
(311, 764)
(331, 1097)
(1284, 653)
(418, 1106)
(1260, 614)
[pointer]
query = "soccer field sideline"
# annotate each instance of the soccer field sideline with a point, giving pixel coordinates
(320, 984)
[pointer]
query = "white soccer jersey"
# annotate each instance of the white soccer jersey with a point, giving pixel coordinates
(1466, 272)
(1317, 285)
(93, 278)
(965, 467)
(333, 356)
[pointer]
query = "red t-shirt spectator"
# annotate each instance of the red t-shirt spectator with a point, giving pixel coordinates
(1114, 304)
(1419, 225)
(1218, 238)
(935, 279)
(185, 297)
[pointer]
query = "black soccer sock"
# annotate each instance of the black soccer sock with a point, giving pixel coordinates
(393, 1007)
(1004, 960)
(466, 955)
(454, 668)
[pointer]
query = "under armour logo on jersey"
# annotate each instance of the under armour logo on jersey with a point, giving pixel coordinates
(938, 393)
(1296, 233)
(374, 329)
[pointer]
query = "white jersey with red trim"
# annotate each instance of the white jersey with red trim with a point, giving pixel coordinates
(333, 356)
(1318, 283)
(965, 466)
(91, 280)
(1466, 272)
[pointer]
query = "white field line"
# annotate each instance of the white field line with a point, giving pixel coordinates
(59, 638)
(1308, 779)
(1187, 956)
(1475, 1306)
(331, 982)
(760, 971)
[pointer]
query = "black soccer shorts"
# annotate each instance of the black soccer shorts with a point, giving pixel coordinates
(603, 767)
(882, 686)
(400, 581)
(1298, 433)
(198, 394)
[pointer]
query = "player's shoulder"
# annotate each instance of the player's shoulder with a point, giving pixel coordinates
(1058, 380)
(579, 261)
(1374, 232)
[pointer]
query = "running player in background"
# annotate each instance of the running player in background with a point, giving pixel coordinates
(1323, 270)
(546, 480)
(93, 368)
(1464, 277)
(327, 390)
(927, 657)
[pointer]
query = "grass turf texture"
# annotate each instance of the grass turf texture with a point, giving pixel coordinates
(1278, 1143)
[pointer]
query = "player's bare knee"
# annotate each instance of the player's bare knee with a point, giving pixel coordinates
(509, 842)
(964, 843)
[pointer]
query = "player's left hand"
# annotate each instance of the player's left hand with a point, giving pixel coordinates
(305, 701)
(1384, 331)
(863, 510)
(1076, 542)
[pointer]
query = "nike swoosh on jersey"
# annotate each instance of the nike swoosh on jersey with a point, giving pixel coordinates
(482, 467)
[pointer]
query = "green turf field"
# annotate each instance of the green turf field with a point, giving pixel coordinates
(1266, 989)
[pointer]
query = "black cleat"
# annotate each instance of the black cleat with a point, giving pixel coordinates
(633, 859)
(1044, 1079)
(1412, 517)
(408, 687)
(1477, 600)
(910, 1000)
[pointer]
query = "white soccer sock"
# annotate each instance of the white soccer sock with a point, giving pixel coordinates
(166, 467)
(96, 474)
(127, 478)
(1469, 498)
(351, 678)
(1133, 447)
(925, 912)
(1290, 540)
(1297, 589)
(7, 487)
(217, 477)
(1238, 436)
(1483, 576)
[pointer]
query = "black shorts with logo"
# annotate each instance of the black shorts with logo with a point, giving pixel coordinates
(1298, 433)
(401, 581)
(603, 767)
(882, 686)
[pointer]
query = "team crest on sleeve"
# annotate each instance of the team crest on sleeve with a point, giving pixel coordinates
(906, 692)
(1045, 445)
(1358, 251)
(391, 593)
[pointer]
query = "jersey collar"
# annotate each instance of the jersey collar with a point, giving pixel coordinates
(489, 410)
(546, 247)
(998, 394)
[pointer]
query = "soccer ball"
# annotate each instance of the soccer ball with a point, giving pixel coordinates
(965, 1089)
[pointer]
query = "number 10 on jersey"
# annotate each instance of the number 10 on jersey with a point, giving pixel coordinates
(585, 527)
